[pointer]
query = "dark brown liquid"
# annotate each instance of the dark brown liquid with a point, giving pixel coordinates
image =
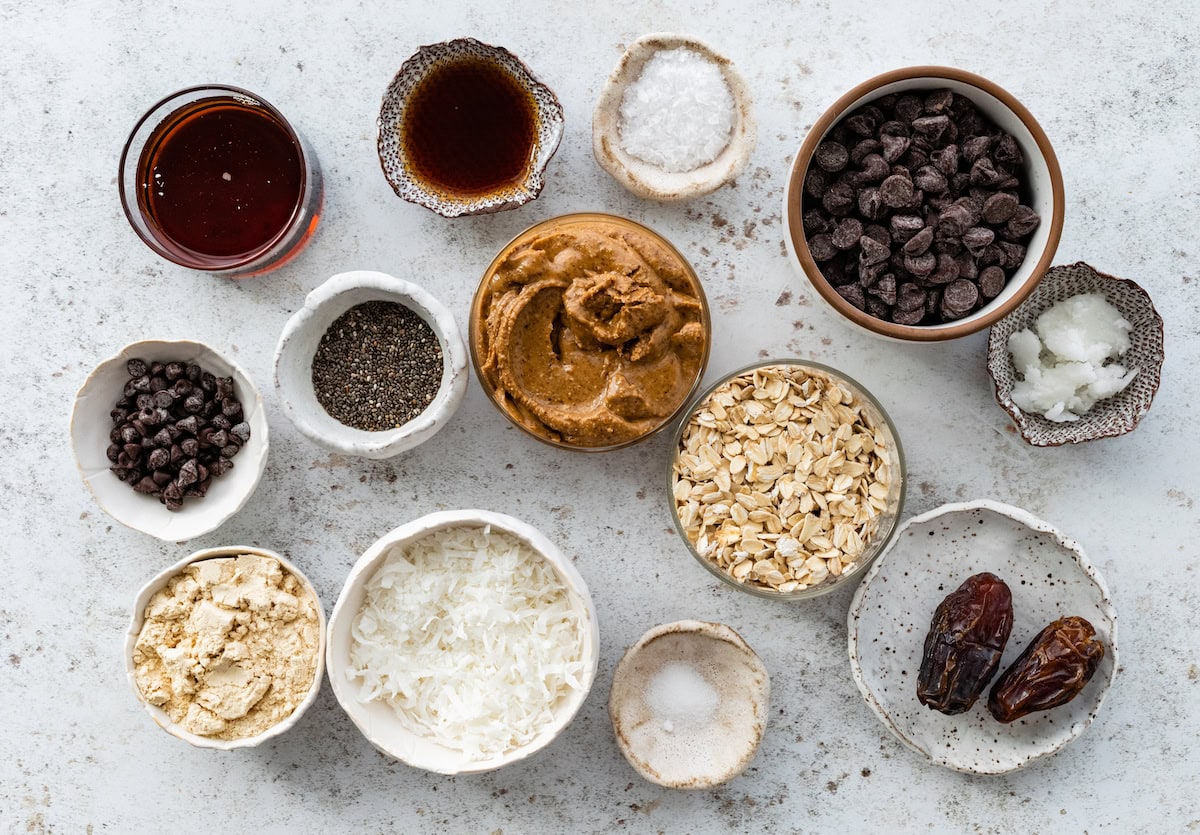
(469, 128)
(220, 178)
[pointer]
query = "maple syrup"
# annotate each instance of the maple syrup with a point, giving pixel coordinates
(470, 128)
(220, 180)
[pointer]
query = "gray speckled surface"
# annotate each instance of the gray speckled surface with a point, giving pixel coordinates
(1115, 86)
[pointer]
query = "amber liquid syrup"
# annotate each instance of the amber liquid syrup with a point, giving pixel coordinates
(220, 179)
(469, 128)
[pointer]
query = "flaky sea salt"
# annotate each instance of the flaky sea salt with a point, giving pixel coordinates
(679, 113)
(1067, 365)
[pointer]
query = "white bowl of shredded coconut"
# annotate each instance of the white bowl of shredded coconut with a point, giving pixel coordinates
(462, 641)
(674, 119)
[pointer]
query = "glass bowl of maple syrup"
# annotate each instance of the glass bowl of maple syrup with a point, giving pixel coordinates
(467, 129)
(214, 178)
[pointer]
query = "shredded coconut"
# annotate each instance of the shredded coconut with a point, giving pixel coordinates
(471, 637)
(1067, 366)
(678, 115)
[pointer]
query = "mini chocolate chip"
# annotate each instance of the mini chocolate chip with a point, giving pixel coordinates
(158, 459)
(938, 101)
(896, 191)
(946, 160)
(984, 173)
(847, 233)
(861, 123)
(190, 447)
(136, 368)
(905, 226)
(1023, 221)
(821, 247)
(158, 384)
(931, 128)
(838, 200)
(920, 265)
(1014, 254)
(146, 485)
(885, 289)
(959, 297)
(999, 208)
(878, 233)
(930, 179)
(853, 293)
(240, 430)
(816, 182)
(976, 238)
(976, 147)
(873, 252)
(163, 399)
(991, 282)
(1008, 151)
(162, 478)
(954, 220)
(919, 242)
(894, 147)
(868, 146)
(870, 205)
(831, 157)
(910, 296)
(908, 317)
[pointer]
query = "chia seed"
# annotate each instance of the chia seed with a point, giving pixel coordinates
(377, 367)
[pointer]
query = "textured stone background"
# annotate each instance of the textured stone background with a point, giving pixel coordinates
(1113, 83)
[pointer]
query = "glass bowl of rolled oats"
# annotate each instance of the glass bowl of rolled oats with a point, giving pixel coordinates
(787, 479)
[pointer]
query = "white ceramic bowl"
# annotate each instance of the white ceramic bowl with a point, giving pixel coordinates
(1044, 184)
(377, 720)
(650, 181)
(1049, 576)
(302, 334)
(691, 757)
(91, 424)
(139, 615)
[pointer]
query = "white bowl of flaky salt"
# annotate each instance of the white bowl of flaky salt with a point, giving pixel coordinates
(674, 120)
(226, 648)
(462, 642)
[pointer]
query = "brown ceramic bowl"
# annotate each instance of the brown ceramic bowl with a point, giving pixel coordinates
(481, 307)
(1043, 181)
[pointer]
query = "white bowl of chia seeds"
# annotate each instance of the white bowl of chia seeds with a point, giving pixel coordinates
(371, 366)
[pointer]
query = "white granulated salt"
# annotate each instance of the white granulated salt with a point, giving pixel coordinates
(679, 113)
(1067, 365)
(680, 697)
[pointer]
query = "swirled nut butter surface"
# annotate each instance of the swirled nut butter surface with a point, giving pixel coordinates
(228, 648)
(590, 333)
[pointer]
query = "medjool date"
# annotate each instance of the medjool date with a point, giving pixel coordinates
(965, 643)
(1052, 670)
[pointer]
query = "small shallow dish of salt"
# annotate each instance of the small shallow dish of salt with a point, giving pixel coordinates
(689, 704)
(462, 642)
(1049, 576)
(674, 119)
(1141, 359)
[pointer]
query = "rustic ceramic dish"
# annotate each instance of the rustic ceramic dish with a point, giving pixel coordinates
(302, 334)
(932, 554)
(1113, 416)
(691, 757)
(91, 423)
(887, 520)
(376, 719)
(650, 181)
(135, 627)
(1043, 178)
(393, 156)
(584, 221)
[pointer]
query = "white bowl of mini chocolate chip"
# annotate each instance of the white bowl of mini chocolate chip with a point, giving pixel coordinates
(226, 648)
(925, 204)
(372, 365)
(170, 437)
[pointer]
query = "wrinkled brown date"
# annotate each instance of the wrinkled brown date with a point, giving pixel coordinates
(965, 643)
(1050, 672)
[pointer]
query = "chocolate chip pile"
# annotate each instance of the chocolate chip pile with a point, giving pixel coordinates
(175, 429)
(912, 208)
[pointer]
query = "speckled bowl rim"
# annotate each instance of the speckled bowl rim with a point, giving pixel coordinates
(585, 218)
(797, 240)
(711, 631)
(997, 357)
(877, 546)
(195, 510)
(341, 619)
(534, 182)
(437, 414)
(671, 186)
(1033, 523)
(159, 716)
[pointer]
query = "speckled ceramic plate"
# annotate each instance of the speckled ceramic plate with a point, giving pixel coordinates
(1050, 577)
(1113, 416)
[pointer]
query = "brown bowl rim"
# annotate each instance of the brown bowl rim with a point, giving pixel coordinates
(997, 353)
(576, 217)
(794, 197)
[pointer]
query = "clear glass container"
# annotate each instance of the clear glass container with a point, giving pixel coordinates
(149, 138)
(888, 518)
(566, 223)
